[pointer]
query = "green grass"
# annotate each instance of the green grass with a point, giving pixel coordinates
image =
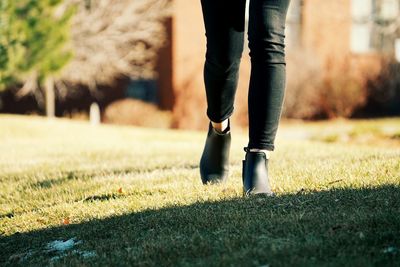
(133, 196)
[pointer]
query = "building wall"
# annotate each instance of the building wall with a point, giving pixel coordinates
(326, 29)
(165, 70)
(189, 47)
(188, 59)
(325, 35)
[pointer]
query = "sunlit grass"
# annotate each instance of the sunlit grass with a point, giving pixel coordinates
(134, 196)
(372, 132)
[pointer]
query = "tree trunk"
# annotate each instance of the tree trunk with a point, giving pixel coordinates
(50, 97)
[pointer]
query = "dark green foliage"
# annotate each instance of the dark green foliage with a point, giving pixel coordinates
(32, 39)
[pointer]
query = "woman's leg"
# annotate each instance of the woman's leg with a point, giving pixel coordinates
(266, 91)
(224, 24)
(267, 81)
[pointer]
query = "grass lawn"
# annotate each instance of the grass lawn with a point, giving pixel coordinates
(72, 194)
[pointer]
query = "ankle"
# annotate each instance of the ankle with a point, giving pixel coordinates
(265, 151)
(221, 127)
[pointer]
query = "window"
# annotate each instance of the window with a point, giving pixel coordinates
(361, 12)
(145, 90)
(293, 24)
(389, 9)
(374, 25)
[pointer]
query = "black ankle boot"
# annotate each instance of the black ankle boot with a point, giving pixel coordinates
(255, 174)
(214, 162)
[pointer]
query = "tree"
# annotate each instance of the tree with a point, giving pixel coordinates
(111, 39)
(48, 44)
(33, 38)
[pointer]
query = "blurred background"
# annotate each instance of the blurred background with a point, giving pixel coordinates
(141, 62)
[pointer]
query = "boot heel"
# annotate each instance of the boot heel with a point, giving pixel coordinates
(243, 174)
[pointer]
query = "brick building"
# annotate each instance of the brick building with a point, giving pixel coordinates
(333, 30)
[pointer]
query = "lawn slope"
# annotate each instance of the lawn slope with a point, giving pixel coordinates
(75, 194)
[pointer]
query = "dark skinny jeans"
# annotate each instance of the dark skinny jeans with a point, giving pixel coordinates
(224, 24)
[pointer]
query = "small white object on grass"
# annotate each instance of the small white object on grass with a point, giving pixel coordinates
(61, 248)
(95, 116)
(87, 254)
(390, 250)
(397, 49)
(59, 245)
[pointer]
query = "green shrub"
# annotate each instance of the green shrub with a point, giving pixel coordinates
(32, 40)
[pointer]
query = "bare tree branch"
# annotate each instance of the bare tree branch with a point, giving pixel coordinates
(115, 38)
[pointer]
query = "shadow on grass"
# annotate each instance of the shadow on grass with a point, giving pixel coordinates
(87, 175)
(353, 227)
